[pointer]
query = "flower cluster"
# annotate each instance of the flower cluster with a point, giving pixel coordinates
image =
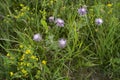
(83, 11)
(23, 11)
(28, 59)
(25, 62)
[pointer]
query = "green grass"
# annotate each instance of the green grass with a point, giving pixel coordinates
(92, 51)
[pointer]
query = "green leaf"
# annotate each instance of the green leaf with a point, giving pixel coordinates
(44, 23)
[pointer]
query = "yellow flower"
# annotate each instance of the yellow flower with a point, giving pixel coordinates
(21, 46)
(23, 57)
(44, 62)
(36, 59)
(33, 57)
(28, 51)
(109, 5)
(24, 71)
(21, 63)
(28, 64)
(8, 54)
(11, 73)
(21, 5)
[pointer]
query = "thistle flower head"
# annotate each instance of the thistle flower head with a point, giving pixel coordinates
(62, 43)
(37, 37)
(59, 22)
(82, 11)
(51, 19)
(98, 21)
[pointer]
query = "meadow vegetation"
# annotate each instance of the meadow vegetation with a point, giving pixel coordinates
(59, 39)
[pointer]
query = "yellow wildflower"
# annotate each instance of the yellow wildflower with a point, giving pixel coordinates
(22, 5)
(33, 57)
(24, 71)
(21, 63)
(28, 64)
(8, 54)
(28, 51)
(36, 59)
(11, 73)
(21, 46)
(23, 57)
(109, 5)
(44, 62)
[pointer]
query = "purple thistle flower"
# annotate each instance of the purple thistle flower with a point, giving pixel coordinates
(82, 11)
(62, 43)
(51, 19)
(37, 37)
(59, 22)
(98, 21)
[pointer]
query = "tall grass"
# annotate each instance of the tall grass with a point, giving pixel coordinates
(91, 51)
